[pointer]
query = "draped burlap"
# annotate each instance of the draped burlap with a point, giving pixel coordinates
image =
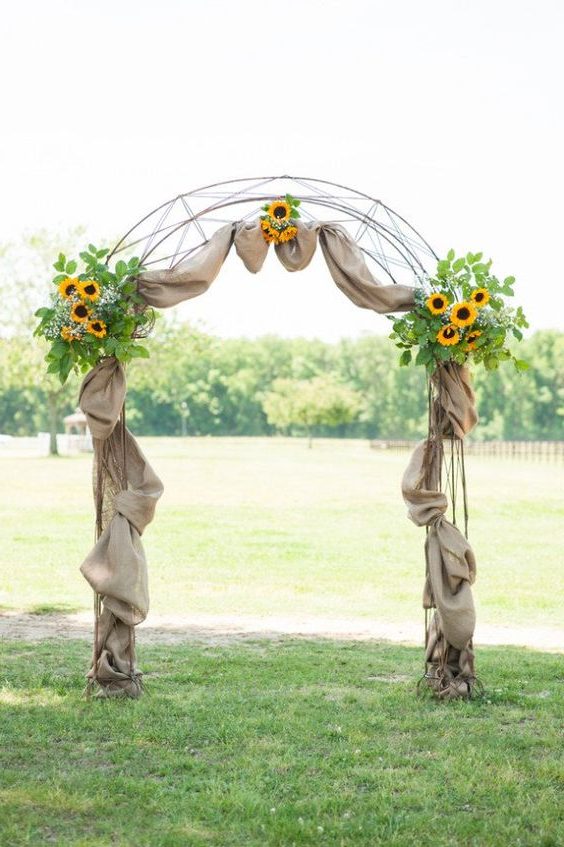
(451, 566)
(126, 490)
(345, 260)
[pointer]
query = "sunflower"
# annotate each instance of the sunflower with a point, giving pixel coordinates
(287, 234)
(68, 287)
(80, 313)
(448, 335)
(279, 210)
(472, 337)
(97, 328)
(268, 232)
(67, 334)
(437, 303)
(480, 297)
(463, 314)
(89, 288)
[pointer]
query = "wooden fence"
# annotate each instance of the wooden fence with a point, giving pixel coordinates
(541, 451)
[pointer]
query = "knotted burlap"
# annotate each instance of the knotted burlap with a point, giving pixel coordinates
(345, 260)
(451, 565)
(126, 490)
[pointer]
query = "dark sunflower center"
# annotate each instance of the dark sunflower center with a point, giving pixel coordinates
(70, 289)
(438, 303)
(90, 289)
(279, 212)
(478, 297)
(97, 326)
(448, 333)
(81, 311)
(463, 313)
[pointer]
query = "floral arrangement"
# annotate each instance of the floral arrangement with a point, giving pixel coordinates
(276, 225)
(94, 314)
(460, 315)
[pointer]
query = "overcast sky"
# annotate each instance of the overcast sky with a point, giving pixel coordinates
(450, 112)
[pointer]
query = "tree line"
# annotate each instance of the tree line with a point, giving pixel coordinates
(198, 384)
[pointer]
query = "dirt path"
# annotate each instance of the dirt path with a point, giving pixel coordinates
(217, 629)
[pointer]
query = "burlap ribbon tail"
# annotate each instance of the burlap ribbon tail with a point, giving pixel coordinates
(450, 561)
(126, 491)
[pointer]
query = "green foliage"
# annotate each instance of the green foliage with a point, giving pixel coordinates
(114, 315)
(461, 315)
(222, 384)
(321, 401)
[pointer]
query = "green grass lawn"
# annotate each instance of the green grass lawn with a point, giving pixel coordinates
(266, 526)
(279, 743)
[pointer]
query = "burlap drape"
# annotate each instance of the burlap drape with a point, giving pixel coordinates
(345, 261)
(451, 565)
(126, 490)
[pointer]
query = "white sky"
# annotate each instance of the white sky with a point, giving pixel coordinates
(450, 112)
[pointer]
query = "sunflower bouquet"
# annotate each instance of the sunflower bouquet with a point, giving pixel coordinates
(276, 225)
(94, 314)
(460, 315)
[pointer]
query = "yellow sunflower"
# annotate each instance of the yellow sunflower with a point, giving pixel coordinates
(89, 288)
(268, 232)
(80, 313)
(287, 234)
(448, 335)
(480, 297)
(68, 287)
(437, 303)
(471, 338)
(279, 210)
(463, 314)
(67, 333)
(97, 328)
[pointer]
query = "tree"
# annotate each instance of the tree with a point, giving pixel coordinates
(25, 281)
(321, 401)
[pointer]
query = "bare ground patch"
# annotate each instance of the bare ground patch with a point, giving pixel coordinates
(218, 629)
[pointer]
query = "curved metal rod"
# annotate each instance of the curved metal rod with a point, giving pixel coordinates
(265, 180)
(321, 201)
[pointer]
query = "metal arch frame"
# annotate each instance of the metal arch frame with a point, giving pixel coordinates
(401, 248)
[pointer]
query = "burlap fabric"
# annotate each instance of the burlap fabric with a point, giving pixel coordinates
(451, 565)
(194, 275)
(126, 490)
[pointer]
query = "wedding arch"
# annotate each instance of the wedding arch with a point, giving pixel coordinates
(379, 261)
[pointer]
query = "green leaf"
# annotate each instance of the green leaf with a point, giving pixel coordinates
(138, 352)
(458, 265)
(451, 254)
(405, 358)
(59, 265)
(424, 356)
(294, 213)
(521, 365)
(121, 268)
(517, 333)
(44, 313)
(70, 268)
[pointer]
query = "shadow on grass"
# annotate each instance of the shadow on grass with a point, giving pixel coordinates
(278, 743)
